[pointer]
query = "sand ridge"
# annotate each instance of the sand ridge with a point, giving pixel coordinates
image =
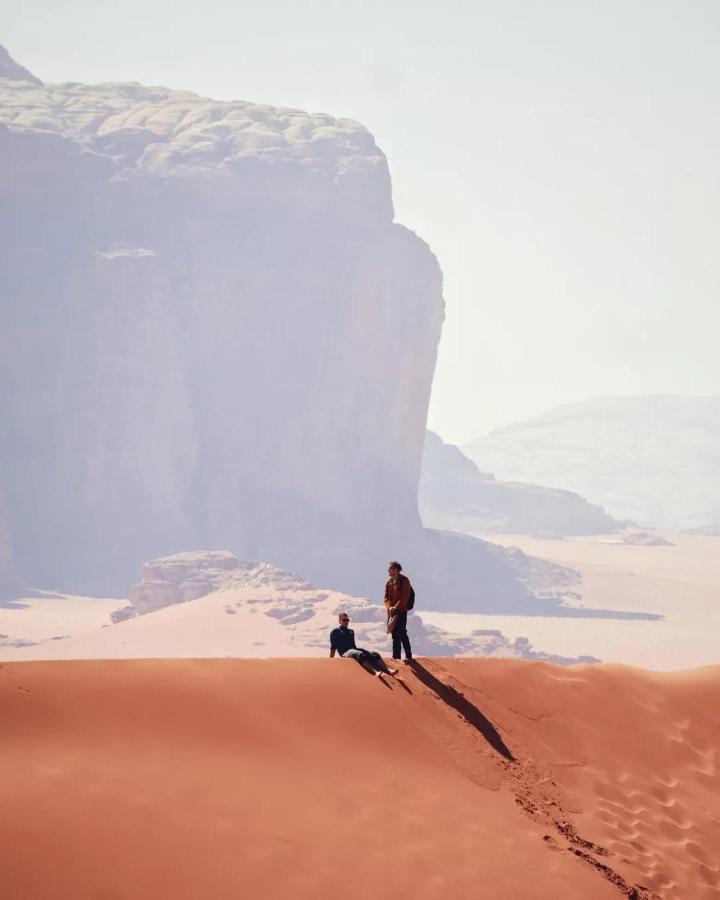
(205, 778)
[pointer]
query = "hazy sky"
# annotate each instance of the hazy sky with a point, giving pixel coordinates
(561, 157)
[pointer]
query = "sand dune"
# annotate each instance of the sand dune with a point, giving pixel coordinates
(477, 778)
(251, 622)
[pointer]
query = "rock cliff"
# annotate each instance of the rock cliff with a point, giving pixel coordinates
(213, 335)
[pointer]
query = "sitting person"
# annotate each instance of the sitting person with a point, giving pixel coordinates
(342, 641)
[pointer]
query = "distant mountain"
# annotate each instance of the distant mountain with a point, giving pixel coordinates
(652, 459)
(455, 495)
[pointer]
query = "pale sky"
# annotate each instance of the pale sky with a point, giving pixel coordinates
(561, 157)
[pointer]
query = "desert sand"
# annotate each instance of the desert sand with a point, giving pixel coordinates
(475, 778)
(47, 616)
(282, 618)
(680, 582)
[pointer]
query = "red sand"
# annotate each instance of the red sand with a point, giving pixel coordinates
(296, 778)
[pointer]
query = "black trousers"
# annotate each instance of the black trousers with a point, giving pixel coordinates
(400, 637)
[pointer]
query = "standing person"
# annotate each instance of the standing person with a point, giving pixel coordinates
(342, 641)
(397, 597)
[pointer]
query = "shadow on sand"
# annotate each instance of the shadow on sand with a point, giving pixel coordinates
(464, 707)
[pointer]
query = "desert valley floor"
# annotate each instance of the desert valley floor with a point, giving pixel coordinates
(680, 582)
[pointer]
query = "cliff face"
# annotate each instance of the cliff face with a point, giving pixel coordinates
(213, 335)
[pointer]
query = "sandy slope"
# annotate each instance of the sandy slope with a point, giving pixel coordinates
(480, 778)
(226, 623)
(248, 622)
(52, 617)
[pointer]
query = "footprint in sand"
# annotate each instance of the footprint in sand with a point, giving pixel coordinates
(607, 816)
(684, 752)
(609, 793)
(698, 853)
(621, 810)
(632, 835)
(622, 849)
(659, 794)
(708, 875)
(640, 848)
(646, 869)
(673, 831)
(677, 813)
(707, 779)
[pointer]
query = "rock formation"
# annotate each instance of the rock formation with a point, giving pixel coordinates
(456, 495)
(187, 576)
(214, 335)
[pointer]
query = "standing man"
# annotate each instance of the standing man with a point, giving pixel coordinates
(397, 597)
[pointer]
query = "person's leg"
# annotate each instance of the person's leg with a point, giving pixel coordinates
(380, 664)
(396, 641)
(406, 644)
(362, 657)
(403, 639)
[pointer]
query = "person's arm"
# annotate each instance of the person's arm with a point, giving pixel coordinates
(404, 598)
(333, 648)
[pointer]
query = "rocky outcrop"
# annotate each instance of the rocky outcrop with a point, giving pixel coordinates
(187, 576)
(654, 460)
(455, 495)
